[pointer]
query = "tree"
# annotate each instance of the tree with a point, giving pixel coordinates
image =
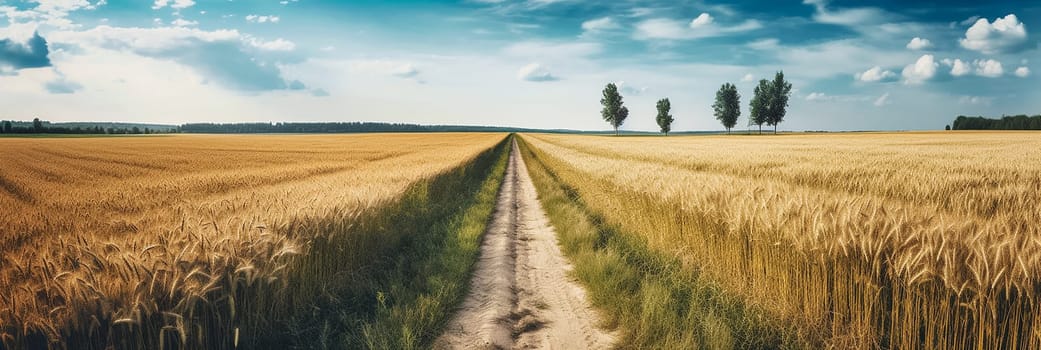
(948, 127)
(614, 112)
(37, 125)
(135, 130)
(727, 107)
(7, 127)
(780, 91)
(664, 119)
(760, 105)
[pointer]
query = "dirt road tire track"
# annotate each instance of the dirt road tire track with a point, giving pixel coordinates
(520, 294)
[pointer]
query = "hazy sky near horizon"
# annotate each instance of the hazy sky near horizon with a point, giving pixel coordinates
(855, 65)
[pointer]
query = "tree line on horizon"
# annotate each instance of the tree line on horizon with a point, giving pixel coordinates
(37, 126)
(769, 105)
(1013, 122)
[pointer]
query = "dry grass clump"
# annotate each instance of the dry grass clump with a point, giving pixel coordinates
(905, 241)
(186, 241)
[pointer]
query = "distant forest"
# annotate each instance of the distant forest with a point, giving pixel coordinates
(1015, 122)
(344, 127)
(37, 126)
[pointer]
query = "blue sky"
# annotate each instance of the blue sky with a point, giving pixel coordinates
(855, 65)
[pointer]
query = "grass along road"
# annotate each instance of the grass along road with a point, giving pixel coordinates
(521, 295)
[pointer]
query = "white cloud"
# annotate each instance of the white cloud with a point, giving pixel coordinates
(175, 4)
(823, 97)
(958, 67)
(874, 74)
(262, 19)
(847, 17)
(919, 44)
(767, 44)
(222, 56)
(1022, 72)
(599, 25)
(989, 68)
(181, 22)
(837, 57)
(882, 100)
(665, 28)
(818, 97)
(273, 45)
(702, 20)
(923, 69)
(748, 77)
(641, 12)
(1006, 34)
(536, 73)
(46, 12)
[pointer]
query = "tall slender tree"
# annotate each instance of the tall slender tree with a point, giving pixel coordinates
(760, 106)
(37, 125)
(727, 107)
(664, 119)
(614, 112)
(780, 91)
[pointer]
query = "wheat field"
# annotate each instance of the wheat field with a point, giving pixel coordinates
(193, 241)
(887, 240)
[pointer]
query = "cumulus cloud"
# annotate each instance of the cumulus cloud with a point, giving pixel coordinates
(181, 22)
(748, 77)
(922, 70)
(273, 45)
(175, 4)
(262, 19)
(958, 67)
(882, 100)
(536, 73)
(33, 53)
(875, 74)
(1006, 34)
(919, 44)
(52, 13)
(225, 56)
(599, 25)
(989, 68)
(1022, 72)
(670, 29)
(702, 20)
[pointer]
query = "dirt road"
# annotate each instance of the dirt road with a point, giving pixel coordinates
(520, 295)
